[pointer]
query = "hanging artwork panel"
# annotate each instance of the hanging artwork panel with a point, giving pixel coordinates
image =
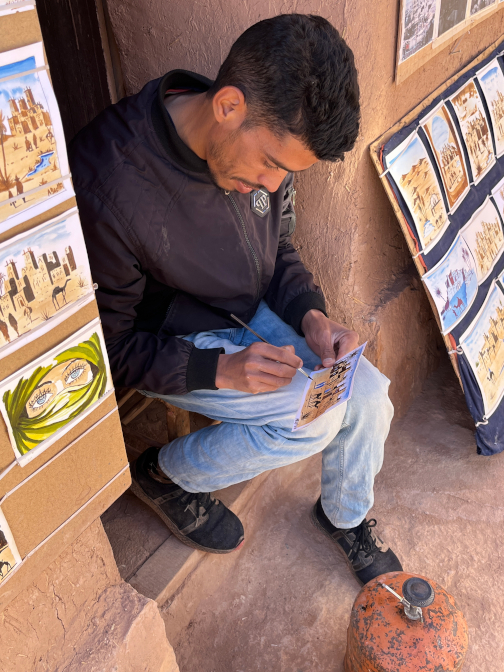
(44, 278)
(484, 237)
(9, 555)
(47, 397)
(446, 147)
(491, 81)
(34, 172)
(414, 175)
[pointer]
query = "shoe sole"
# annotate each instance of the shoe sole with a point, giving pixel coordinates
(138, 492)
(315, 521)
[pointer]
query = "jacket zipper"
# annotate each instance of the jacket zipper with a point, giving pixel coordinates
(247, 240)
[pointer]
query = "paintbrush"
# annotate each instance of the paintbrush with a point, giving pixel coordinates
(237, 319)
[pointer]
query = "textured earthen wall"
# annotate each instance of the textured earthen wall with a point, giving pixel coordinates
(347, 233)
(78, 616)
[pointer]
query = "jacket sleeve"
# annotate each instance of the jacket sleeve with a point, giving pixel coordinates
(292, 291)
(138, 359)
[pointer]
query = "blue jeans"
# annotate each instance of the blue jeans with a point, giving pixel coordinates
(255, 433)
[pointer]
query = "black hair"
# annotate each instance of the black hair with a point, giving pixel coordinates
(298, 76)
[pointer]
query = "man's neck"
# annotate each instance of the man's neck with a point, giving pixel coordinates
(192, 118)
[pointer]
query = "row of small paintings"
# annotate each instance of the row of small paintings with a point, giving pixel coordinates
(34, 172)
(411, 168)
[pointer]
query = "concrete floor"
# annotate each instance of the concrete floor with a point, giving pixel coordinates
(283, 601)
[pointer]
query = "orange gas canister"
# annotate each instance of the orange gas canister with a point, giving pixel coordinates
(405, 623)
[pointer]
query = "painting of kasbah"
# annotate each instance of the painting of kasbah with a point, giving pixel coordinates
(50, 395)
(9, 556)
(453, 284)
(451, 13)
(483, 345)
(417, 25)
(492, 84)
(414, 174)
(498, 195)
(484, 237)
(449, 155)
(43, 273)
(478, 5)
(33, 158)
(475, 129)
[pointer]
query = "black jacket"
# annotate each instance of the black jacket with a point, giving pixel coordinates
(171, 252)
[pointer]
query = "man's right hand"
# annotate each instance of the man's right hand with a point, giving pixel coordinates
(258, 368)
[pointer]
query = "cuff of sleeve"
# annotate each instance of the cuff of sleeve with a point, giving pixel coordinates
(299, 306)
(202, 368)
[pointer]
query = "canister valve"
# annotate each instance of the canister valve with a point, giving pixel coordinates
(417, 593)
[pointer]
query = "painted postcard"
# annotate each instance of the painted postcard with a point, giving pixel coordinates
(475, 128)
(453, 284)
(328, 388)
(484, 237)
(451, 13)
(44, 275)
(446, 147)
(491, 80)
(483, 345)
(417, 29)
(13, 6)
(34, 173)
(412, 170)
(9, 555)
(44, 399)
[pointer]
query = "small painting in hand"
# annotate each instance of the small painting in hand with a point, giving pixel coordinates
(453, 284)
(475, 128)
(413, 173)
(44, 399)
(449, 155)
(483, 345)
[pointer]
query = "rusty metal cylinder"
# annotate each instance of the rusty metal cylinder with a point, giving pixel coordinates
(382, 638)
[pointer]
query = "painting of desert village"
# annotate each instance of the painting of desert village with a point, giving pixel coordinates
(453, 284)
(483, 345)
(33, 155)
(449, 155)
(492, 84)
(414, 174)
(475, 129)
(484, 237)
(42, 273)
(417, 25)
(9, 556)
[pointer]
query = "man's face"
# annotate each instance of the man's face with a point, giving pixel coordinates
(244, 160)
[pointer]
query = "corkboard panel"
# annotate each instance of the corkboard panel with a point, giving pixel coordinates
(19, 30)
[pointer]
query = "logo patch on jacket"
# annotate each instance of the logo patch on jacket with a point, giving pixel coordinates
(260, 202)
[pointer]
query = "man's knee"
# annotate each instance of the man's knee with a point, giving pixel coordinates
(371, 388)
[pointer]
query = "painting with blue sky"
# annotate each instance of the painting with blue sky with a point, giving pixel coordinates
(33, 161)
(491, 80)
(414, 175)
(483, 345)
(446, 147)
(44, 275)
(453, 284)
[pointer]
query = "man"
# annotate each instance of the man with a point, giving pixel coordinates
(187, 203)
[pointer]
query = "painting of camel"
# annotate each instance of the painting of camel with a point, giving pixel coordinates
(414, 175)
(34, 173)
(44, 277)
(453, 284)
(483, 345)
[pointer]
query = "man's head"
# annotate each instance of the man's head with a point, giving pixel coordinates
(285, 97)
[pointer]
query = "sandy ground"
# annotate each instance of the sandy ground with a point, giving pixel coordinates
(282, 603)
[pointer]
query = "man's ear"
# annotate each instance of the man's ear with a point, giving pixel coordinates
(229, 107)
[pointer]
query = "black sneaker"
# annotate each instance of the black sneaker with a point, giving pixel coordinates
(198, 519)
(366, 554)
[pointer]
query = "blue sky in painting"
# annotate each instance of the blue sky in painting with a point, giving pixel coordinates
(54, 238)
(401, 165)
(440, 132)
(474, 342)
(18, 67)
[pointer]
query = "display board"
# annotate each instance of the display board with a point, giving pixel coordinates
(443, 170)
(62, 455)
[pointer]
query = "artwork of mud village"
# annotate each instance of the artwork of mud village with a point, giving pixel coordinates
(414, 175)
(484, 237)
(492, 84)
(449, 155)
(41, 273)
(417, 26)
(453, 284)
(483, 344)
(328, 388)
(475, 129)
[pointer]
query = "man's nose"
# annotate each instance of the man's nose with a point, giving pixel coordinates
(272, 182)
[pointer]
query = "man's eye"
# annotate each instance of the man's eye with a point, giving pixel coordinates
(268, 165)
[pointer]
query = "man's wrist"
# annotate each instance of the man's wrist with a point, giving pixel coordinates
(312, 317)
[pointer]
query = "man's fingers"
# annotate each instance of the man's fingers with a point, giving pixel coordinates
(266, 382)
(285, 355)
(348, 343)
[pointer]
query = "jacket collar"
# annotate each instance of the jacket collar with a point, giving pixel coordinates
(164, 126)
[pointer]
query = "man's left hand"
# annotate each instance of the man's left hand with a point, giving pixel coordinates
(329, 340)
